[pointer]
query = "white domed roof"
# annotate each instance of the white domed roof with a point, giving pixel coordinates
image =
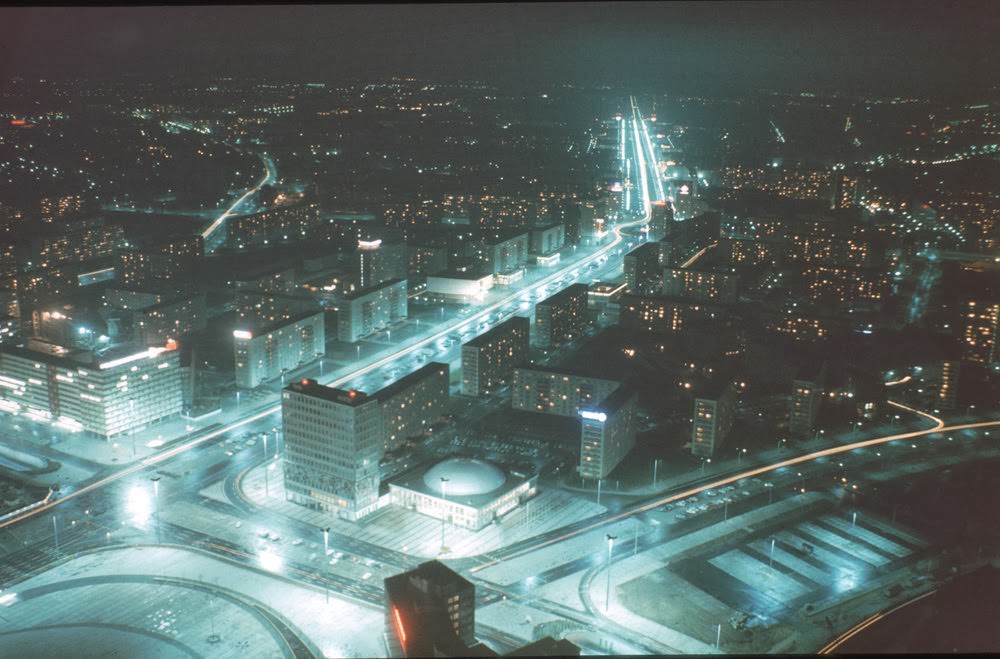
(465, 477)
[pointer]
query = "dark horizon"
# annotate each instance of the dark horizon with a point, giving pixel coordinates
(890, 47)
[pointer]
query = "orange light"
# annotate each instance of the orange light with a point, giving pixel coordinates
(304, 382)
(400, 631)
(18, 122)
(352, 393)
(171, 345)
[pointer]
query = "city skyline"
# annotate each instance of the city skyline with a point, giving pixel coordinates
(499, 329)
(909, 48)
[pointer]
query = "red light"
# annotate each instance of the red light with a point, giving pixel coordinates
(352, 393)
(18, 122)
(171, 345)
(304, 382)
(399, 625)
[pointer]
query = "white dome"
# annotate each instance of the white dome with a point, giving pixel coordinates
(465, 477)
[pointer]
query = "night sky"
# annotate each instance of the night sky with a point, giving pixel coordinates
(904, 47)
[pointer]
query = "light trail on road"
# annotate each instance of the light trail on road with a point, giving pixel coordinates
(229, 211)
(939, 426)
(830, 647)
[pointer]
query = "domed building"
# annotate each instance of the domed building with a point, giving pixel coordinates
(465, 491)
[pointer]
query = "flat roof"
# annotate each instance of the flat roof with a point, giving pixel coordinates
(408, 380)
(569, 291)
(310, 387)
(372, 289)
(507, 325)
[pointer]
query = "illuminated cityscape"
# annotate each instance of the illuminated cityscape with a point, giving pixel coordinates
(514, 329)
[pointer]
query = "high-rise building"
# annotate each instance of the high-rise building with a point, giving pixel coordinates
(333, 443)
(948, 385)
(642, 269)
(412, 403)
(660, 220)
(556, 391)
(379, 261)
(562, 316)
(430, 611)
(109, 395)
(282, 223)
(607, 432)
(370, 310)
(982, 324)
(658, 314)
(548, 239)
(265, 352)
(156, 261)
(505, 251)
(807, 396)
(714, 414)
(488, 361)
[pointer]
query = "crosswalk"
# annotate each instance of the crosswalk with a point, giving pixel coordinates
(804, 562)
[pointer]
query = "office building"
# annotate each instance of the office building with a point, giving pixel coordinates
(411, 404)
(561, 317)
(488, 361)
(714, 414)
(556, 391)
(265, 352)
(121, 391)
(370, 310)
(807, 397)
(333, 442)
(642, 269)
(607, 432)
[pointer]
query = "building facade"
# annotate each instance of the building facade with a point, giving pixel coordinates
(333, 442)
(561, 317)
(554, 391)
(714, 414)
(642, 268)
(109, 396)
(607, 432)
(262, 354)
(488, 361)
(807, 397)
(371, 310)
(411, 404)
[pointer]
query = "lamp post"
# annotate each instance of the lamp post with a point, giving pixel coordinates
(358, 350)
(607, 594)
(326, 552)
(444, 509)
(156, 502)
(718, 635)
(770, 559)
(599, 491)
(656, 464)
(267, 492)
(55, 532)
(739, 455)
(131, 422)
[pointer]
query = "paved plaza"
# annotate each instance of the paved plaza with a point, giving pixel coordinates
(192, 605)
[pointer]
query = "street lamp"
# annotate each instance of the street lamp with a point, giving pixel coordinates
(131, 422)
(607, 594)
(444, 509)
(326, 552)
(358, 348)
(739, 455)
(770, 560)
(656, 464)
(156, 501)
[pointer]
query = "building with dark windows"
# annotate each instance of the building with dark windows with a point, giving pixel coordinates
(430, 611)
(642, 269)
(561, 317)
(333, 443)
(660, 220)
(807, 397)
(379, 261)
(607, 432)
(488, 361)
(547, 240)
(714, 414)
(505, 252)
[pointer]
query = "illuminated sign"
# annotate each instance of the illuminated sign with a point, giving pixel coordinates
(242, 334)
(400, 630)
(148, 354)
(594, 416)
(369, 244)
(685, 189)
